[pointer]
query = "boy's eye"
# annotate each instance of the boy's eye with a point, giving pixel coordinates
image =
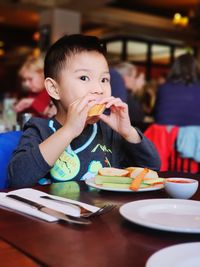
(105, 80)
(84, 78)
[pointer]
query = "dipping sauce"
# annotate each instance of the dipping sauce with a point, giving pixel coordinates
(180, 181)
(179, 187)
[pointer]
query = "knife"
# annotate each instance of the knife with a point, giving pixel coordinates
(60, 215)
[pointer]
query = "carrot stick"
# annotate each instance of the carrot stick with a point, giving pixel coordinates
(138, 179)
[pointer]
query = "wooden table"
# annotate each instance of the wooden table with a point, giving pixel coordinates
(10, 256)
(109, 241)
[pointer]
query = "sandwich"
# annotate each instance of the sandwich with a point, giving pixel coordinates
(132, 178)
(96, 110)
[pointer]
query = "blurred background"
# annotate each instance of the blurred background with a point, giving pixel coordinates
(150, 34)
(153, 54)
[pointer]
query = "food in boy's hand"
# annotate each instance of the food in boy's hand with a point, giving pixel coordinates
(96, 110)
(132, 178)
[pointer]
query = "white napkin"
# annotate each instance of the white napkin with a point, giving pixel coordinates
(34, 195)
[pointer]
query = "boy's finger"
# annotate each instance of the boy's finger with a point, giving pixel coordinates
(104, 118)
(106, 100)
(83, 102)
(87, 98)
(116, 102)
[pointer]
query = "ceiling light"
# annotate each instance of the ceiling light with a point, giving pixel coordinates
(179, 20)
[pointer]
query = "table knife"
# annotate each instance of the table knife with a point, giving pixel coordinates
(60, 215)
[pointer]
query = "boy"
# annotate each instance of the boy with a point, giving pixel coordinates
(73, 146)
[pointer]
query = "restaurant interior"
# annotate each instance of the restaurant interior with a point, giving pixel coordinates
(152, 219)
(143, 32)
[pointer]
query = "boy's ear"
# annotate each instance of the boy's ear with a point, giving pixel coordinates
(52, 88)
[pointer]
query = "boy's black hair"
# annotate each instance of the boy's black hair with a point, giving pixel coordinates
(66, 46)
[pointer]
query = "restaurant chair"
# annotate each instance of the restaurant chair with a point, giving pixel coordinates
(165, 139)
(8, 142)
(177, 163)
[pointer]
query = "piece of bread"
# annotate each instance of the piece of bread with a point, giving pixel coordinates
(96, 110)
(135, 171)
(109, 171)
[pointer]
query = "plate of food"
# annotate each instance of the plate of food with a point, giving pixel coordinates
(131, 179)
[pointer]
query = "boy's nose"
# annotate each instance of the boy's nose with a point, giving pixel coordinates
(97, 89)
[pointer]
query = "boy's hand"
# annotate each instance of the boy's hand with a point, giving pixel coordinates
(77, 114)
(119, 119)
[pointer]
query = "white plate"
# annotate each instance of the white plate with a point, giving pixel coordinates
(174, 215)
(181, 255)
(91, 182)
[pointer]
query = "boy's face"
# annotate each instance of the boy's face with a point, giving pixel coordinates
(85, 72)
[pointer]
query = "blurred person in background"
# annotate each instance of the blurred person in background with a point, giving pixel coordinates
(148, 100)
(134, 83)
(178, 99)
(37, 101)
(118, 88)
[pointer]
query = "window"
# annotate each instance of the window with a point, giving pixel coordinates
(152, 57)
(137, 51)
(180, 51)
(160, 54)
(114, 51)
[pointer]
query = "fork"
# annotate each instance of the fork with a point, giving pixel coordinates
(100, 211)
(83, 211)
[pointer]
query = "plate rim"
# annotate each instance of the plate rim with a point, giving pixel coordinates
(89, 181)
(151, 260)
(154, 225)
